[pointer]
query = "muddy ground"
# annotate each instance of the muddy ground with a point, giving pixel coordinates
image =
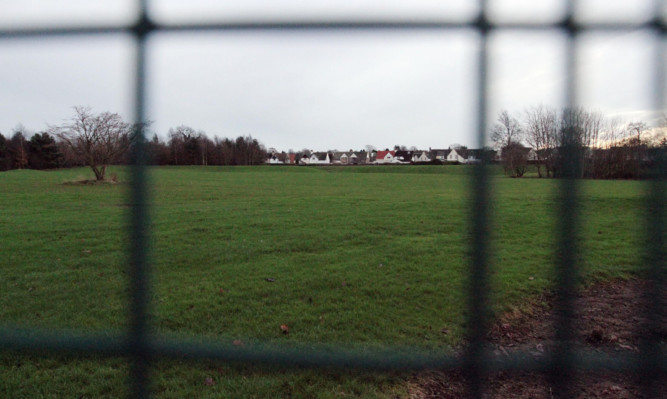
(609, 318)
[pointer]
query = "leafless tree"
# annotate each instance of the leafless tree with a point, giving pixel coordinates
(515, 159)
(96, 140)
(506, 131)
(18, 145)
(638, 128)
(541, 130)
(184, 145)
(579, 131)
(610, 154)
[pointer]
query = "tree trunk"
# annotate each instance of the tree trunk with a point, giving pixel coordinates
(539, 169)
(99, 172)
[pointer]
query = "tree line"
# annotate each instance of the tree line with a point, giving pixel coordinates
(601, 148)
(100, 140)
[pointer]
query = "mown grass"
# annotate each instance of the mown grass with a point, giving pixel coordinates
(364, 257)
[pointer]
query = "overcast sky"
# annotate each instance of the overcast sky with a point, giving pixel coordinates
(320, 90)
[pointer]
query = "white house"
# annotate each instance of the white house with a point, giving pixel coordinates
(423, 157)
(454, 156)
(384, 157)
(318, 158)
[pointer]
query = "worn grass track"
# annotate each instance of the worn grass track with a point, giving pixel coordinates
(361, 257)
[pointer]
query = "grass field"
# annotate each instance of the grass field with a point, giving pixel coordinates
(364, 257)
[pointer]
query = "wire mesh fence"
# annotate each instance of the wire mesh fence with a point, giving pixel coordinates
(141, 348)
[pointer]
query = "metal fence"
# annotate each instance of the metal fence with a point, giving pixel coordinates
(141, 348)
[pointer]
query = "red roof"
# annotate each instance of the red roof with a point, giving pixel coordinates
(382, 154)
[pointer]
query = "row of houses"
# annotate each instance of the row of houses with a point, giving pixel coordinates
(453, 155)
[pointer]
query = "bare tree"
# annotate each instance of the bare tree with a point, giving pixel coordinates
(579, 130)
(541, 130)
(609, 157)
(638, 128)
(184, 142)
(506, 131)
(515, 159)
(18, 147)
(97, 140)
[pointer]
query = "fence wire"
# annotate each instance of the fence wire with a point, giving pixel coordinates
(141, 347)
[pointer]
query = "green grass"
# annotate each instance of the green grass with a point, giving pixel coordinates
(364, 257)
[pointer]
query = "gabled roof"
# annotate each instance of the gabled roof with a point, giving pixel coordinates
(336, 156)
(322, 156)
(383, 154)
(442, 153)
(405, 156)
(462, 152)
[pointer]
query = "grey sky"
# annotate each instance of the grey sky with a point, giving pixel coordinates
(320, 90)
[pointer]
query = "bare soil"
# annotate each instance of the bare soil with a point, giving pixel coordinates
(609, 318)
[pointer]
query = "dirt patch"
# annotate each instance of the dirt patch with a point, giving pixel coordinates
(609, 319)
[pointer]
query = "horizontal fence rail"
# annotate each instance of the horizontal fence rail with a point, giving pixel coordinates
(141, 346)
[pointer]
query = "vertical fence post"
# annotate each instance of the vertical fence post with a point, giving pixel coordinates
(654, 251)
(138, 334)
(562, 367)
(478, 278)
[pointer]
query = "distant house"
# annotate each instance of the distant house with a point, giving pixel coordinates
(531, 155)
(339, 158)
(304, 159)
(457, 155)
(477, 156)
(420, 156)
(385, 157)
(348, 158)
(372, 157)
(316, 158)
(277, 158)
(438, 154)
(357, 158)
(403, 156)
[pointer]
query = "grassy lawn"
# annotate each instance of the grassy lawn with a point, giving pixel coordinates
(364, 257)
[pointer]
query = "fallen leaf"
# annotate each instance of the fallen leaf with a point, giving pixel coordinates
(222, 291)
(237, 342)
(444, 331)
(284, 328)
